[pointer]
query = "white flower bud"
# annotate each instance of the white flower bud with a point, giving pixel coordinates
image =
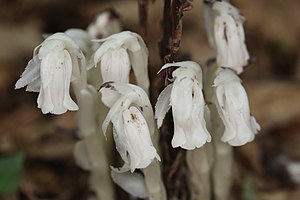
(224, 26)
(117, 55)
(232, 104)
(188, 106)
(132, 119)
(54, 65)
(106, 24)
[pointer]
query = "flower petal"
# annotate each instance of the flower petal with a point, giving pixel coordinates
(117, 107)
(139, 62)
(163, 105)
(115, 66)
(31, 73)
(133, 183)
(233, 107)
(139, 144)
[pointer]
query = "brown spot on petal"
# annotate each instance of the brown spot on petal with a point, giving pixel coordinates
(133, 117)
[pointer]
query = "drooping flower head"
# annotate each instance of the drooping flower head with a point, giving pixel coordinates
(106, 23)
(133, 124)
(55, 63)
(187, 102)
(117, 54)
(233, 107)
(225, 24)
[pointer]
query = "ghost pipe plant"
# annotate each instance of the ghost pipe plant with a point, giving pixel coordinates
(232, 104)
(58, 63)
(225, 31)
(189, 125)
(106, 23)
(118, 53)
(133, 130)
(230, 119)
(54, 65)
(133, 124)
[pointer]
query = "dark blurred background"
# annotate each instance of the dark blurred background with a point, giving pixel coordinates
(37, 149)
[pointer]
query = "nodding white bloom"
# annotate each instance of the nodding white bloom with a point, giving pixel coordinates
(55, 63)
(225, 23)
(133, 123)
(117, 55)
(188, 106)
(232, 104)
(107, 23)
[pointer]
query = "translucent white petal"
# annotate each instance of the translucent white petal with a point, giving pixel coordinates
(179, 135)
(198, 113)
(182, 95)
(188, 64)
(139, 62)
(115, 66)
(67, 65)
(121, 104)
(133, 183)
(34, 86)
(163, 104)
(233, 108)
(31, 73)
(109, 97)
(104, 48)
(120, 139)
(255, 126)
(44, 101)
(140, 148)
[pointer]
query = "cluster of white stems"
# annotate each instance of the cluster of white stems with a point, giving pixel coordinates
(65, 59)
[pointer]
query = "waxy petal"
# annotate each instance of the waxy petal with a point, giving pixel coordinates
(140, 147)
(233, 107)
(163, 104)
(56, 70)
(115, 66)
(188, 105)
(31, 73)
(133, 183)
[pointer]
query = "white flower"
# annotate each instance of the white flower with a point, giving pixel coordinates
(229, 36)
(133, 123)
(117, 55)
(188, 106)
(55, 63)
(106, 24)
(232, 104)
